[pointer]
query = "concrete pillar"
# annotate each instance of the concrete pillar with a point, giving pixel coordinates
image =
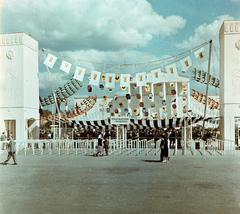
(229, 39)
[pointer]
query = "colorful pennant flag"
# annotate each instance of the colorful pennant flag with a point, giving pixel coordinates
(172, 71)
(50, 60)
(158, 76)
(149, 77)
(79, 73)
(110, 80)
(201, 55)
(94, 78)
(186, 64)
(65, 66)
(125, 80)
(141, 79)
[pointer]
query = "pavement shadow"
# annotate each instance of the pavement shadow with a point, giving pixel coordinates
(95, 156)
(7, 164)
(151, 161)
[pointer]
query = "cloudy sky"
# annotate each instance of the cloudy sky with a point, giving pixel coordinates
(115, 31)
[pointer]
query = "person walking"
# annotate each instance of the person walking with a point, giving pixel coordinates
(106, 142)
(11, 151)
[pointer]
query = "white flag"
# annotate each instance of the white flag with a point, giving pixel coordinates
(79, 73)
(125, 80)
(158, 76)
(172, 71)
(141, 79)
(186, 64)
(110, 80)
(201, 55)
(50, 60)
(65, 66)
(149, 77)
(94, 78)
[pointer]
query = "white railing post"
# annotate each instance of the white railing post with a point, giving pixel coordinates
(33, 148)
(175, 148)
(76, 146)
(138, 146)
(25, 146)
(50, 147)
(59, 147)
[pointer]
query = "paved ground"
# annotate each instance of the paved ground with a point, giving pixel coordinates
(120, 184)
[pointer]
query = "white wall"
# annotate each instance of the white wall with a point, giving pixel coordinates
(229, 39)
(19, 83)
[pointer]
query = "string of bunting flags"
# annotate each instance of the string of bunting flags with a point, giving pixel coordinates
(143, 105)
(62, 93)
(212, 104)
(154, 75)
(164, 72)
(86, 105)
(201, 76)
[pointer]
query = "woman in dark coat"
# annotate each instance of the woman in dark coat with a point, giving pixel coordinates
(106, 142)
(164, 150)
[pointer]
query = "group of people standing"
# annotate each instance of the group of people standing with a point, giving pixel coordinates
(103, 142)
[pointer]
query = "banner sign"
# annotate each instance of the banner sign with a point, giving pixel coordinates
(120, 120)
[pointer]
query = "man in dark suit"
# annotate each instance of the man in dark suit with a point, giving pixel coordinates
(11, 151)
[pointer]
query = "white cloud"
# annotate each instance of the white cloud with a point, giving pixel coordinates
(82, 24)
(57, 80)
(205, 32)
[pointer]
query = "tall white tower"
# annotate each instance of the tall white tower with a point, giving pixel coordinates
(229, 39)
(19, 86)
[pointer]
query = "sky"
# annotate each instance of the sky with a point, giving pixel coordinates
(116, 32)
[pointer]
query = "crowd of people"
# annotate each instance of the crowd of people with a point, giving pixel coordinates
(171, 133)
(45, 134)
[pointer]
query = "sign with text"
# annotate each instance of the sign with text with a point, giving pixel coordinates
(120, 120)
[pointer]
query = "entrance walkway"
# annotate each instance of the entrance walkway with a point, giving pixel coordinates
(120, 184)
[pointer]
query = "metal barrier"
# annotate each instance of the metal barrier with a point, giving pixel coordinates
(229, 146)
(220, 146)
(121, 147)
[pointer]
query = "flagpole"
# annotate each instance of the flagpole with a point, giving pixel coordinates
(208, 74)
(54, 96)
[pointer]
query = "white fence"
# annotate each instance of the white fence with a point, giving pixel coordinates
(127, 147)
(220, 146)
(212, 146)
(81, 146)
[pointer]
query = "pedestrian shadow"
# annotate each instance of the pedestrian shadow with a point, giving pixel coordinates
(94, 155)
(151, 161)
(89, 155)
(7, 164)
